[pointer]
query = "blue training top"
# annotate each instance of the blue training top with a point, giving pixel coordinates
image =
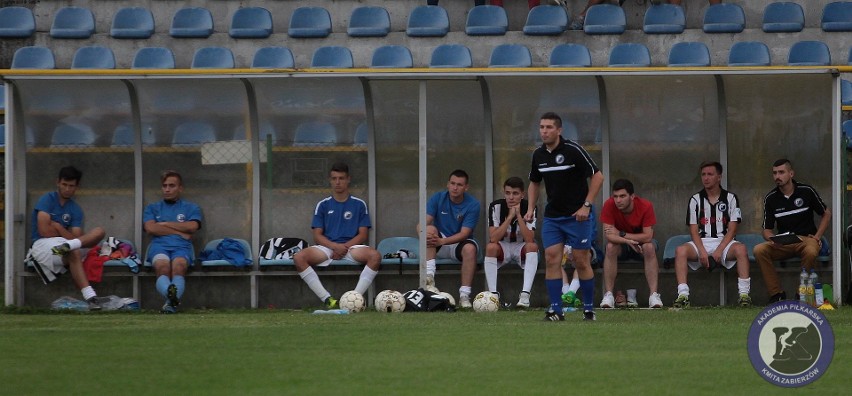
(70, 215)
(340, 221)
(450, 217)
(178, 211)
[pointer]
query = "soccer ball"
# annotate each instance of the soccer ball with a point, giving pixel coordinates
(448, 296)
(486, 302)
(353, 301)
(389, 301)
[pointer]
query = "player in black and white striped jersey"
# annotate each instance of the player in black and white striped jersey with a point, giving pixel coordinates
(712, 217)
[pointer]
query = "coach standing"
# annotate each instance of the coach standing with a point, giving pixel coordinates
(568, 216)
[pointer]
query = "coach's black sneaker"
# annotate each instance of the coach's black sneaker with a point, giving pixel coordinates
(171, 295)
(551, 316)
(589, 315)
(61, 250)
(94, 304)
(778, 297)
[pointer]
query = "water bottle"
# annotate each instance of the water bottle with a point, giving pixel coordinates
(818, 296)
(331, 312)
(803, 280)
(813, 280)
(567, 254)
(809, 289)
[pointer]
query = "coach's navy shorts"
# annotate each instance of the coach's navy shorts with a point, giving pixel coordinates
(567, 230)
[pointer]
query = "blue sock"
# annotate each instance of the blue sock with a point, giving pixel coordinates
(588, 287)
(554, 291)
(163, 283)
(180, 283)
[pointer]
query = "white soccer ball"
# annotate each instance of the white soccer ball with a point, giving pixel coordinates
(486, 302)
(353, 301)
(448, 296)
(389, 301)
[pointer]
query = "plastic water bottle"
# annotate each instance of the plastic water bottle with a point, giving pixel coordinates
(803, 290)
(567, 254)
(809, 290)
(331, 312)
(813, 280)
(818, 294)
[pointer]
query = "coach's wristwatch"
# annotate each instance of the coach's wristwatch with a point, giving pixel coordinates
(587, 204)
(622, 234)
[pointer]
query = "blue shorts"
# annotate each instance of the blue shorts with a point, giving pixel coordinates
(568, 231)
(171, 252)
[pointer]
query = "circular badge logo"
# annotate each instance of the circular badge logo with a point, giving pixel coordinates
(722, 206)
(66, 218)
(560, 158)
(181, 218)
(790, 344)
(347, 215)
(798, 202)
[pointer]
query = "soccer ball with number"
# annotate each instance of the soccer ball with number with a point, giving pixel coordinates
(390, 301)
(448, 296)
(486, 302)
(353, 301)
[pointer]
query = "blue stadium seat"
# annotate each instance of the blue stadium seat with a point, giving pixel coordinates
(837, 17)
(369, 21)
(486, 20)
(361, 132)
(213, 58)
(510, 55)
(393, 245)
(3, 135)
(451, 55)
(2, 97)
(266, 129)
(724, 18)
(16, 22)
(315, 133)
(428, 21)
(273, 58)
(73, 136)
(546, 20)
(193, 133)
(123, 136)
(388, 56)
(251, 22)
(332, 57)
(192, 22)
(783, 17)
(809, 53)
(689, 54)
(749, 53)
(845, 92)
(664, 19)
(93, 57)
(73, 23)
(310, 22)
(211, 246)
(153, 58)
(605, 19)
(629, 55)
(132, 23)
(33, 58)
(570, 55)
(669, 251)
(849, 61)
(847, 133)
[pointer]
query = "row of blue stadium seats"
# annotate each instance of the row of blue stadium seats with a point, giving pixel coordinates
(424, 21)
(689, 54)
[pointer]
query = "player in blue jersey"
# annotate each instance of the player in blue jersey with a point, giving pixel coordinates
(451, 217)
(58, 235)
(565, 166)
(171, 224)
(340, 225)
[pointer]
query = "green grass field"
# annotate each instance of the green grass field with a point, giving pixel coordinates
(698, 351)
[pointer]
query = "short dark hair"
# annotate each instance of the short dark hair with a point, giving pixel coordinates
(714, 164)
(514, 182)
(339, 166)
(171, 173)
(783, 161)
(623, 184)
(460, 173)
(70, 173)
(557, 120)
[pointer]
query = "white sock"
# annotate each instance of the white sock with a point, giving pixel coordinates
(744, 285)
(575, 285)
(490, 266)
(631, 294)
(88, 292)
(530, 267)
(430, 268)
(367, 276)
(566, 287)
(312, 279)
(682, 289)
(74, 243)
(464, 291)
